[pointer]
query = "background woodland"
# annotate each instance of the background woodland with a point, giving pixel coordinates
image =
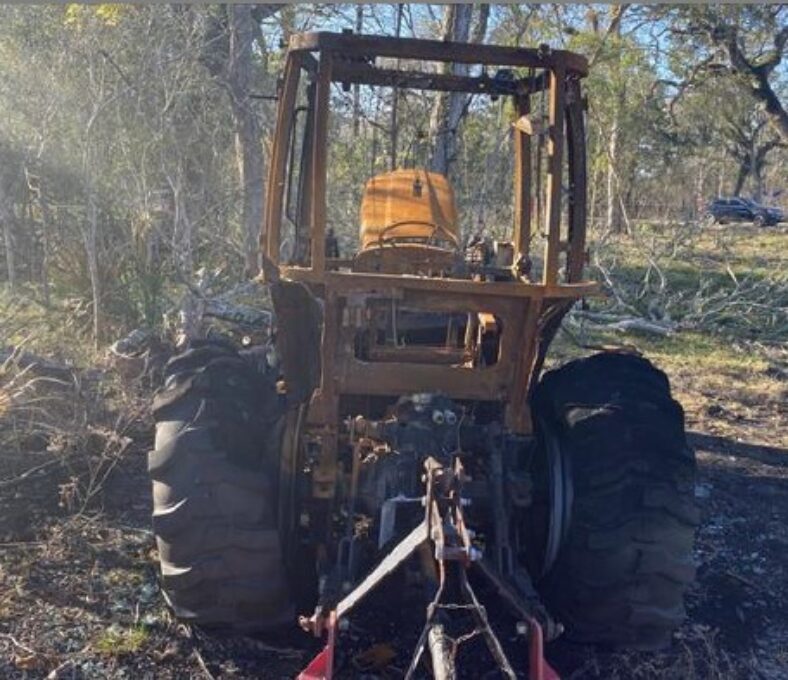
(134, 140)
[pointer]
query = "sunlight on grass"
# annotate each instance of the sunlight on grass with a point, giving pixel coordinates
(730, 281)
(117, 641)
(124, 577)
(61, 331)
(725, 386)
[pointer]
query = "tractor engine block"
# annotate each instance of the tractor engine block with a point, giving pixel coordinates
(392, 451)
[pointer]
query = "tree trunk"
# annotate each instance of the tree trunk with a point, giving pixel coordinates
(356, 86)
(90, 177)
(759, 164)
(46, 220)
(741, 177)
(773, 107)
(7, 218)
(614, 220)
(90, 237)
(182, 228)
(592, 200)
(480, 27)
(757, 184)
(248, 137)
(700, 189)
(758, 76)
(394, 123)
(449, 106)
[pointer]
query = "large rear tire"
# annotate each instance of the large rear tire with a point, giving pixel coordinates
(217, 441)
(625, 556)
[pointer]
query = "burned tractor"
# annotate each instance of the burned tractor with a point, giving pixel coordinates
(399, 421)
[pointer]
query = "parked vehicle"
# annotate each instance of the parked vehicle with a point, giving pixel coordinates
(724, 210)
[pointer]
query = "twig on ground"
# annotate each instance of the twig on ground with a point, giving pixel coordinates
(288, 652)
(22, 544)
(18, 644)
(745, 581)
(55, 672)
(202, 664)
(4, 483)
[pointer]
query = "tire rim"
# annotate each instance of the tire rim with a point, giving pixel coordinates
(561, 497)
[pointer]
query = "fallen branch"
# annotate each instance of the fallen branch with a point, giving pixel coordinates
(35, 364)
(4, 483)
(56, 672)
(640, 326)
(202, 664)
(625, 324)
(19, 645)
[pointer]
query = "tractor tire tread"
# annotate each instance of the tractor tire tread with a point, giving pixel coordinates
(621, 574)
(213, 515)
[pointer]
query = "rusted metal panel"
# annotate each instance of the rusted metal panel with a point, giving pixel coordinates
(396, 378)
(270, 233)
(448, 302)
(298, 321)
(522, 185)
(378, 283)
(319, 156)
(417, 354)
(554, 176)
(365, 74)
(438, 50)
(418, 259)
(518, 413)
(576, 157)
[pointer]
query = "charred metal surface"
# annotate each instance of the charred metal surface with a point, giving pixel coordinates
(409, 365)
(575, 134)
(370, 46)
(368, 75)
(298, 328)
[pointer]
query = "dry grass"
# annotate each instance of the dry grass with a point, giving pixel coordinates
(730, 281)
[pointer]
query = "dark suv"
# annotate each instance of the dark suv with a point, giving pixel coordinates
(722, 210)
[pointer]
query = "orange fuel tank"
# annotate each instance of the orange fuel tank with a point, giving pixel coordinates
(408, 205)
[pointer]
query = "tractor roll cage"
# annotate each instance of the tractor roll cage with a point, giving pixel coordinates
(349, 59)
(529, 311)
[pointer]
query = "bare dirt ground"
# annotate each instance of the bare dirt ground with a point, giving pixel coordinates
(78, 585)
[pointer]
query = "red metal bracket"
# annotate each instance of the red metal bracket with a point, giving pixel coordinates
(538, 667)
(453, 545)
(322, 666)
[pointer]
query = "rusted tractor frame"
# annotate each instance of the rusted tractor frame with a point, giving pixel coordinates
(530, 311)
(527, 312)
